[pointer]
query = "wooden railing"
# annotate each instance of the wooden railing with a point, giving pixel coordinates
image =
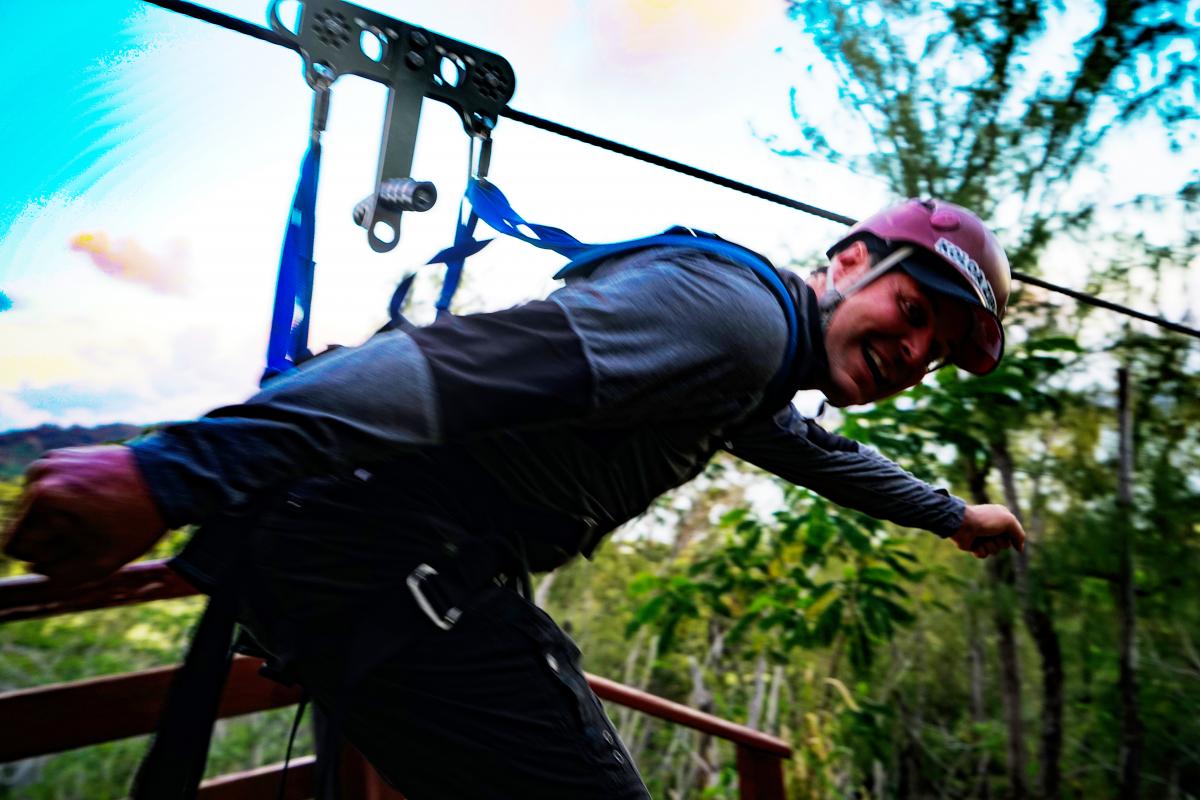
(116, 707)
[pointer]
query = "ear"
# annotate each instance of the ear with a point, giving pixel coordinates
(850, 262)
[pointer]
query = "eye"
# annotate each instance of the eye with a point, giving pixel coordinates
(914, 313)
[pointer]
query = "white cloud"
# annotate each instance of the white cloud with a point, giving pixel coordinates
(212, 160)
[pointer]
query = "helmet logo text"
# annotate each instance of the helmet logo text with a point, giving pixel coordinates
(969, 268)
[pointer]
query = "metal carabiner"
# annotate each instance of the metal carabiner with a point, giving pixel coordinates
(416, 582)
(320, 111)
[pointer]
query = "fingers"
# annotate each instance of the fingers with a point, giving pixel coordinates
(988, 529)
(985, 546)
(40, 534)
(17, 542)
(55, 545)
(21, 531)
(1018, 538)
(38, 469)
(40, 531)
(84, 513)
(992, 547)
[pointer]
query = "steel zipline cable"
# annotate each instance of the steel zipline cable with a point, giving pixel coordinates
(249, 29)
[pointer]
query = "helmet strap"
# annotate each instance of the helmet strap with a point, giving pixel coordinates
(833, 297)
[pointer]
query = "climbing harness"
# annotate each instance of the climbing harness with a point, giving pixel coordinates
(489, 204)
(332, 38)
(413, 63)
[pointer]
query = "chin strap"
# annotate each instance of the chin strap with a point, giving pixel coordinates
(832, 297)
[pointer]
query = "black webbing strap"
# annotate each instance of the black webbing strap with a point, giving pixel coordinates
(173, 767)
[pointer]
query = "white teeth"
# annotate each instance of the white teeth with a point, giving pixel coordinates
(875, 360)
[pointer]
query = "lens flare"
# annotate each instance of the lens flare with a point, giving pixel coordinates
(128, 261)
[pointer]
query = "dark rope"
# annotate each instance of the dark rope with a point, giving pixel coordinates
(223, 20)
(659, 161)
(266, 35)
(641, 155)
(287, 756)
(1092, 300)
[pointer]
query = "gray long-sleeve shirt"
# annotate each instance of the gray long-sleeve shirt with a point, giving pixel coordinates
(590, 403)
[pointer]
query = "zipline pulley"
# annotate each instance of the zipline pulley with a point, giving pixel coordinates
(337, 38)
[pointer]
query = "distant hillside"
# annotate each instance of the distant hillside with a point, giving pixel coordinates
(18, 448)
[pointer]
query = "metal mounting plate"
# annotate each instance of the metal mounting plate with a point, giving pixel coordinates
(337, 38)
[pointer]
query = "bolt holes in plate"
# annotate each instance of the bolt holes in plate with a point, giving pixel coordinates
(286, 14)
(451, 70)
(373, 44)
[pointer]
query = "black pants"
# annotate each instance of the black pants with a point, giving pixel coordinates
(494, 707)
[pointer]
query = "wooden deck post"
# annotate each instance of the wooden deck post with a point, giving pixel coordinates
(760, 774)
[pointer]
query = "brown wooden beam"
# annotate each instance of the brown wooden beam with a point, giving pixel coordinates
(47, 719)
(256, 784)
(683, 715)
(357, 779)
(50, 719)
(31, 596)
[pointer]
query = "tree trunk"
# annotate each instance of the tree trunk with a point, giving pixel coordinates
(702, 699)
(1000, 576)
(754, 713)
(626, 718)
(978, 708)
(772, 723)
(1129, 757)
(1010, 676)
(1039, 621)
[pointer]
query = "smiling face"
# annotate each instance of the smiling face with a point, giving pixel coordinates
(884, 337)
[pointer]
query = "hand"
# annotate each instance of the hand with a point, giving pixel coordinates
(988, 529)
(85, 513)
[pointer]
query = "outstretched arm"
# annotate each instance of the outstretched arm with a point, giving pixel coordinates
(855, 476)
(634, 343)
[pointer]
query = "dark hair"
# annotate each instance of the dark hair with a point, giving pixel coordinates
(878, 248)
(875, 246)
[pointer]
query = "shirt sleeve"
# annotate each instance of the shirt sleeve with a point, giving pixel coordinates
(848, 473)
(640, 338)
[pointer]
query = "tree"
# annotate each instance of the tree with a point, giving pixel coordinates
(968, 101)
(954, 105)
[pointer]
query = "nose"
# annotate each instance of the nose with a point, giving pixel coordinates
(916, 347)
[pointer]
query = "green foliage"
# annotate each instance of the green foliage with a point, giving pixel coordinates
(981, 102)
(813, 576)
(879, 648)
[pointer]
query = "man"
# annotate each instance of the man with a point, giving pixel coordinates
(365, 511)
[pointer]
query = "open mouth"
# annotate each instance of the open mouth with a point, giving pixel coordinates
(874, 366)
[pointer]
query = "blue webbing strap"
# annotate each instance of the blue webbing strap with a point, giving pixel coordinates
(489, 204)
(482, 200)
(733, 252)
(465, 245)
(288, 341)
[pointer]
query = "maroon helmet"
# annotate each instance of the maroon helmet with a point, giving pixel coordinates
(970, 266)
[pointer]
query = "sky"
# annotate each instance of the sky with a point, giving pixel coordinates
(152, 159)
